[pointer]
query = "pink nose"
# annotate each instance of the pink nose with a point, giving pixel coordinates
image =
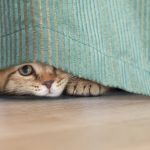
(48, 84)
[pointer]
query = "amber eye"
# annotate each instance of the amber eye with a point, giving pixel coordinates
(26, 70)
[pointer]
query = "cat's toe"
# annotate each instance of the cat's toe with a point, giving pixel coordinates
(71, 89)
(79, 90)
(103, 89)
(94, 90)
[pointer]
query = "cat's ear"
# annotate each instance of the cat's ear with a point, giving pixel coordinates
(4, 75)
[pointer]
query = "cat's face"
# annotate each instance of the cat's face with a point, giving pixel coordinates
(35, 79)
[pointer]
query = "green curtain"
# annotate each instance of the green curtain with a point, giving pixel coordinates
(107, 41)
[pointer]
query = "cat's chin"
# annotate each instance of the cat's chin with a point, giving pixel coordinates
(49, 93)
(53, 95)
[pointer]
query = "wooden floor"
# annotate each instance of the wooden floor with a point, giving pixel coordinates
(112, 122)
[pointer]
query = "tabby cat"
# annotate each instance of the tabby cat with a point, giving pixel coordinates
(44, 80)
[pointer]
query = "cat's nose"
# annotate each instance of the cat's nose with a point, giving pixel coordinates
(48, 84)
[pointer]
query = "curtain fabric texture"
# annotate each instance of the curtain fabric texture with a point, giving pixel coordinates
(107, 41)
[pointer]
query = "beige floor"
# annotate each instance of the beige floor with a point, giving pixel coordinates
(112, 122)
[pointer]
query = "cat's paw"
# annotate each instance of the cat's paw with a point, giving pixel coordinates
(85, 88)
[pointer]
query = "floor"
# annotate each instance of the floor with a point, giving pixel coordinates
(118, 121)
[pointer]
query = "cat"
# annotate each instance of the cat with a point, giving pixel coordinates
(40, 79)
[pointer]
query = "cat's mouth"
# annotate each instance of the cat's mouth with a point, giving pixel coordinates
(49, 91)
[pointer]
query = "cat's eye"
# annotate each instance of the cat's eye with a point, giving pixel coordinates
(26, 70)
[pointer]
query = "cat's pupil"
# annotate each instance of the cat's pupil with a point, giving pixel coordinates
(26, 69)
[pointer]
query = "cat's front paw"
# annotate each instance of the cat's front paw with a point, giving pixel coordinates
(85, 88)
